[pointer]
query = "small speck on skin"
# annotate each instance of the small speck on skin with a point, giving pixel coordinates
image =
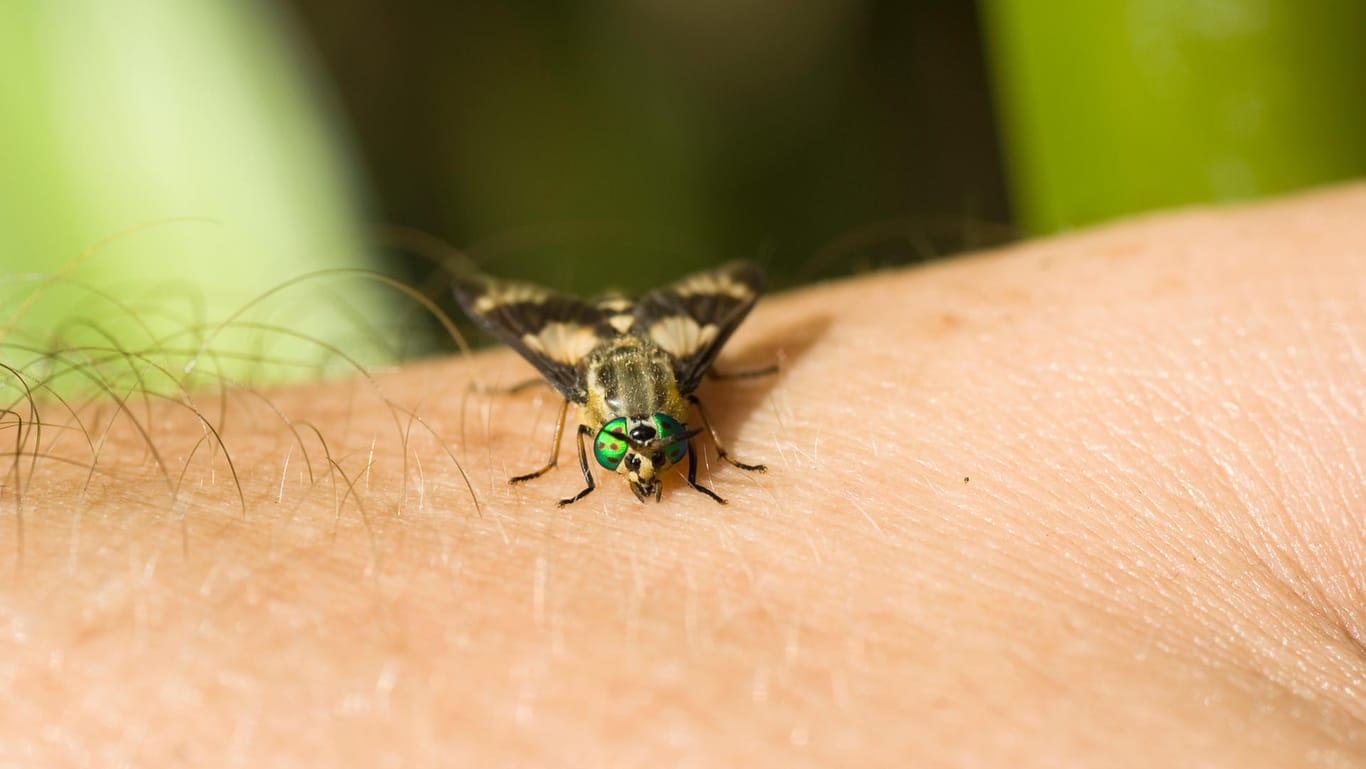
(965, 479)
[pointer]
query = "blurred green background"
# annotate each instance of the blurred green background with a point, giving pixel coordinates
(616, 142)
(627, 142)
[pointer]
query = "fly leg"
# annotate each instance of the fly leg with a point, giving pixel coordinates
(720, 449)
(750, 373)
(523, 386)
(516, 389)
(692, 476)
(554, 449)
(583, 465)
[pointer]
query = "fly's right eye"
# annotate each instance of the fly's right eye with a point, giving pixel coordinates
(610, 444)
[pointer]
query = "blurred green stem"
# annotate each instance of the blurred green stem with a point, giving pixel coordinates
(1111, 107)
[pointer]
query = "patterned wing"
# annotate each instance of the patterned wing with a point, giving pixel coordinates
(552, 331)
(694, 317)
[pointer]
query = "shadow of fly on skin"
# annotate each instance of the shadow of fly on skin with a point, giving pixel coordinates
(630, 365)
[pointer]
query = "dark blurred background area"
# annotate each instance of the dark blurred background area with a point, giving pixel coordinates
(626, 143)
(244, 165)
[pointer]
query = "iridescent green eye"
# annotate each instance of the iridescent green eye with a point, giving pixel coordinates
(610, 445)
(669, 428)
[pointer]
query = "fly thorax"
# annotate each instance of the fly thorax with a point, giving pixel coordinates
(630, 377)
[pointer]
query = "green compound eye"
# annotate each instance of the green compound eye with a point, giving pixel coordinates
(610, 445)
(667, 427)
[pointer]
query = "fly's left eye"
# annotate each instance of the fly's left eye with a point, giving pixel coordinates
(668, 428)
(610, 444)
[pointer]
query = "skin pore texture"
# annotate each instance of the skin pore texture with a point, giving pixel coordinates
(1093, 500)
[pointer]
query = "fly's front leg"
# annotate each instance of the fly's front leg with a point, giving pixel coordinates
(554, 449)
(720, 449)
(692, 476)
(583, 465)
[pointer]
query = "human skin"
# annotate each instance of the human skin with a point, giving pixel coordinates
(1095, 500)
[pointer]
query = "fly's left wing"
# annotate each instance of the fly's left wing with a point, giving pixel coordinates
(554, 332)
(693, 318)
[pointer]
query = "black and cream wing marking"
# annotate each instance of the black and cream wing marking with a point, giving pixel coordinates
(552, 331)
(694, 317)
